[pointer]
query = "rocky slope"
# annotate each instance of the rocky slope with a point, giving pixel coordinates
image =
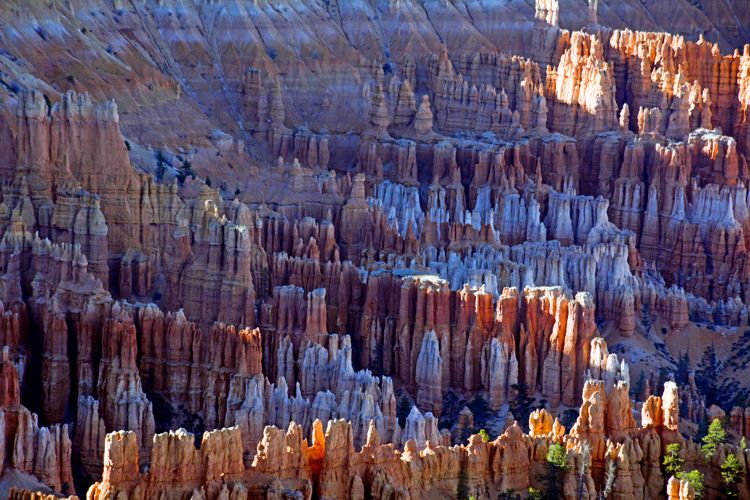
(382, 225)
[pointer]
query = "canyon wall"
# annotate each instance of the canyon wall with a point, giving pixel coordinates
(336, 239)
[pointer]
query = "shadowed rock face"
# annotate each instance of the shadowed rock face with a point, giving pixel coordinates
(337, 239)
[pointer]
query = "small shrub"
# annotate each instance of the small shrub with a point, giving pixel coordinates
(535, 494)
(558, 456)
(485, 436)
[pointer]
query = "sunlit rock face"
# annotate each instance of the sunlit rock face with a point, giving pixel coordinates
(311, 249)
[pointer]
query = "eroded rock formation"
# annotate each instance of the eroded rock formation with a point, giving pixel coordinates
(336, 238)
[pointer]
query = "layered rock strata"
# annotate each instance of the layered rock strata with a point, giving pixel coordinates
(347, 221)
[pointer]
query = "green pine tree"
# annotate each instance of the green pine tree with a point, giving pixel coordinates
(731, 473)
(557, 456)
(557, 461)
(673, 461)
(695, 478)
(185, 171)
(715, 436)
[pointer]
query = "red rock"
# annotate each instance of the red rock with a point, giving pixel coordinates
(10, 326)
(584, 89)
(42, 451)
(473, 247)
(124, 405)
(90, 433)
(10, 393)
(55, 368)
